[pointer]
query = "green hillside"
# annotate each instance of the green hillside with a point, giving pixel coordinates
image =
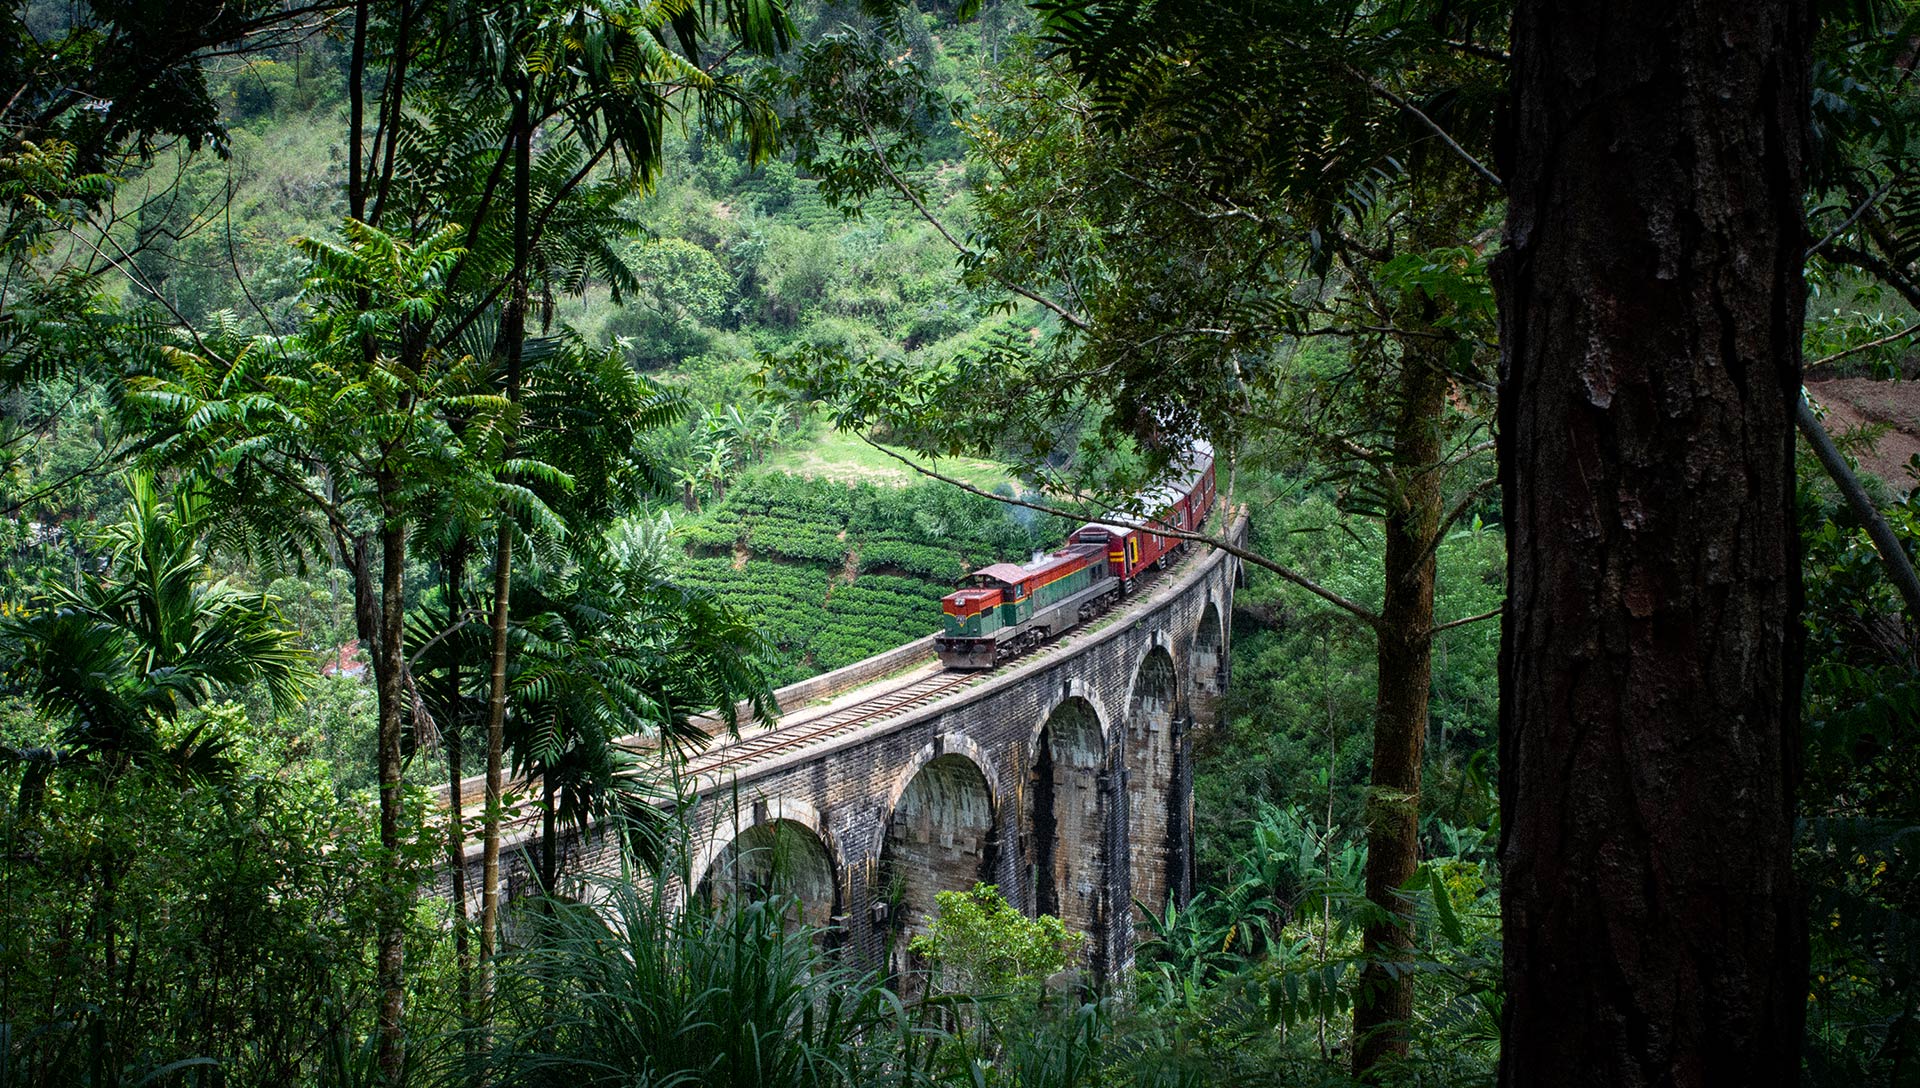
(730, 262)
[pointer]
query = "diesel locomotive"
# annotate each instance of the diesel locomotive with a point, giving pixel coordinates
(1004, 609)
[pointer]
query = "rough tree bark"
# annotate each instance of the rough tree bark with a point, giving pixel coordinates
(1651, 299)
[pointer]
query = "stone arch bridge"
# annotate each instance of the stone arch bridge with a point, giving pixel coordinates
(1064, 777)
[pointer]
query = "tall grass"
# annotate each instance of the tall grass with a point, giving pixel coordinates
(637, 990)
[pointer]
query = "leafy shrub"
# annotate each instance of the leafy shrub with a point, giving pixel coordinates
(633, 990)
(982, 944)
(156, 920)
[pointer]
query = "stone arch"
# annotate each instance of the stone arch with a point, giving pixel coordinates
(950, 743)
(735, 815)
(1150, 751)
(939, 836)
(776, 856)
(1067, 814)
(1207, 664)
(1077, 688)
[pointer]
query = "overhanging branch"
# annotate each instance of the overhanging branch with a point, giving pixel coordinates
(1433, 126)
(1829, 360)
(1463, 621)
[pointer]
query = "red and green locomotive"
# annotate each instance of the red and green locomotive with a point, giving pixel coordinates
(1007, 608)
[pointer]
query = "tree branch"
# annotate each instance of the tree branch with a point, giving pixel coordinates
(466, 617)
(1451, 624)
(1882, 270)
(1868, 346)
(1872, 199)
(913, 198)
(1484, 52)
(1433, 126)
(1459, 510)
(1892, 556)
(1467, 453)
(94, 464)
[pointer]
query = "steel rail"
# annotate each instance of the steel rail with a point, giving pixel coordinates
(888, 704)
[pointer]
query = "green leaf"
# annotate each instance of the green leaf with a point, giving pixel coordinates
(1443, 906)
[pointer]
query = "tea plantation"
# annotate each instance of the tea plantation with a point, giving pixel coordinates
(836, 572)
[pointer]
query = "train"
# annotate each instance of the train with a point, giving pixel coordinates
(1005, 609)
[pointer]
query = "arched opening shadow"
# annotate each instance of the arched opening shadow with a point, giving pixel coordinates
(778, 857)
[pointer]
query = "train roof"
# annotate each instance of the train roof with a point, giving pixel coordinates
(1010, 573)
(968, 596)
(1190, 468)
(1015, 573)
(1111, 527)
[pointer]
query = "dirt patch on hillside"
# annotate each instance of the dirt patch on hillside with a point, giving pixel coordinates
(1891, 407)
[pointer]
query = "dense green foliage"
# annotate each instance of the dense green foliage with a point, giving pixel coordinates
(1860, 814)
(1294, 725)
(1048, 251)
(982, 944)
(223, 919)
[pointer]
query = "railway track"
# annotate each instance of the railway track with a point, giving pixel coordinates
(818, 724)
(889, 704)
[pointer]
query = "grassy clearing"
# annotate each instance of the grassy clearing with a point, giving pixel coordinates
(835, 455)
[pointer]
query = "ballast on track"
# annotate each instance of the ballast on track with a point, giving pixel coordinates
(754, 748)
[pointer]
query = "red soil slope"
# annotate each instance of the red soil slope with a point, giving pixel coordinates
(1853, 403)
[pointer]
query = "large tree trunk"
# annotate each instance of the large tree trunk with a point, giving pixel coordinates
(1404, 655)
(1650, 668)
(398, 896)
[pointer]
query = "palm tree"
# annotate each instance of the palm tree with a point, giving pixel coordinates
(118, 659)
(739, 429)
(642, 541)
(598, 85)
(689, 475)
(611, 650)
(124, 653)
(351, 419)
(716, 456)
(770, 423)
(439, 644)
